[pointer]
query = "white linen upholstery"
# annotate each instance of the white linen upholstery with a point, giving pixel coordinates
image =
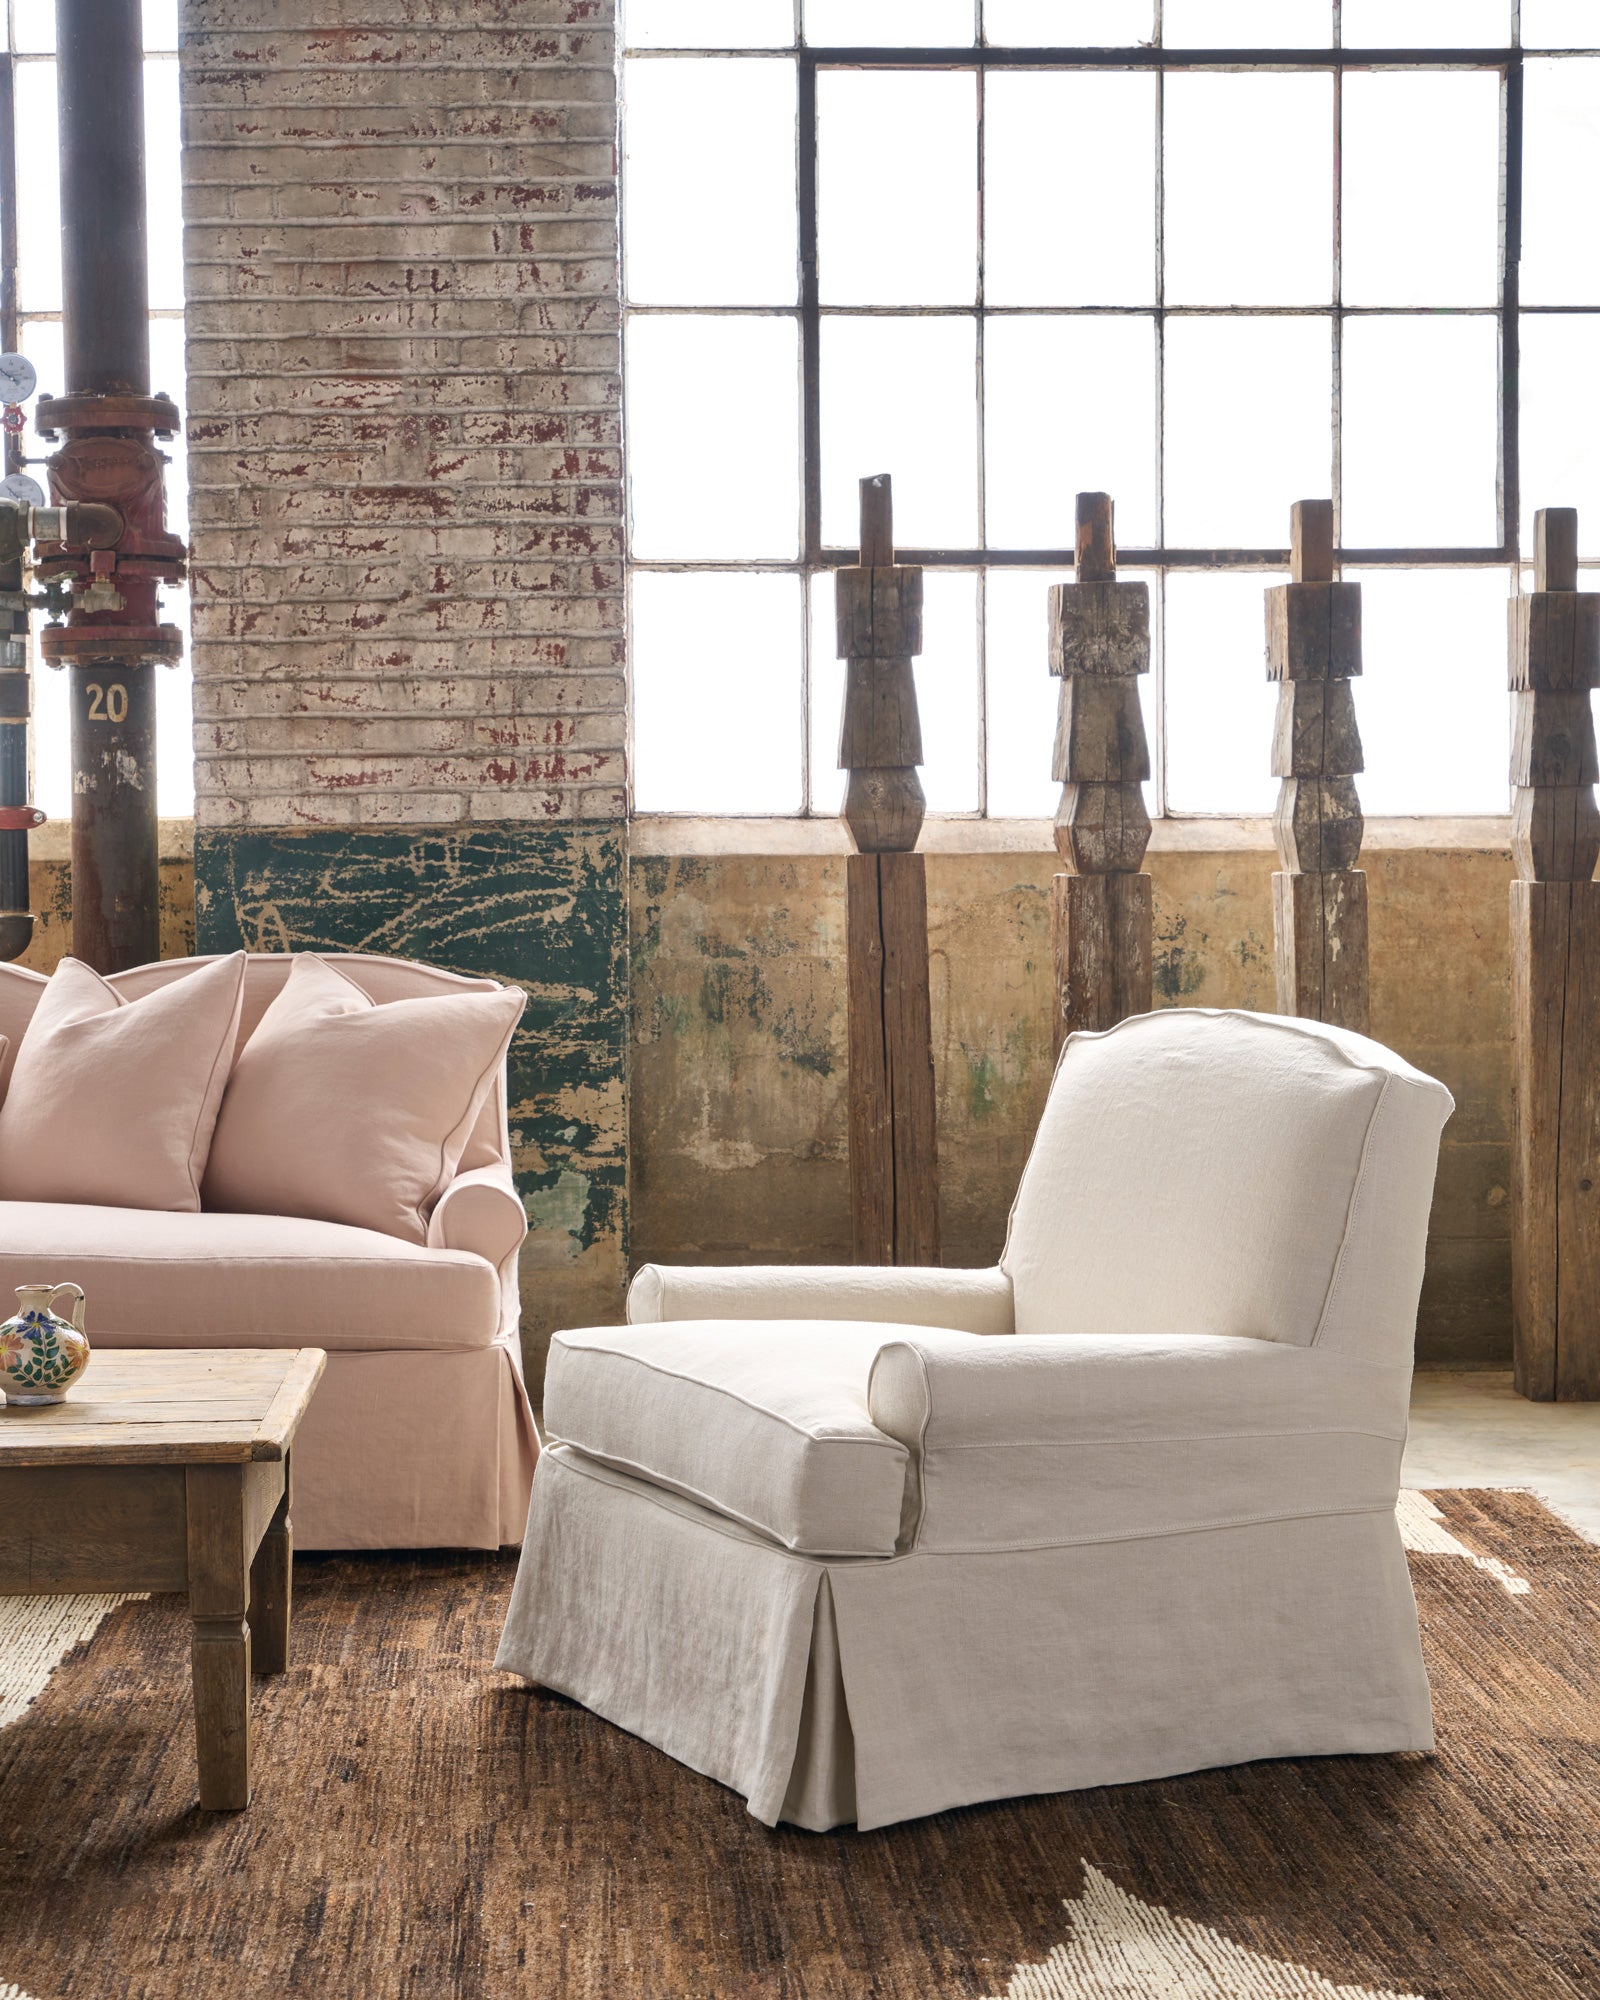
(1148, 1524)
(774, 1435)
(1017, 1444)
(974, 1301)
(1228, 1219)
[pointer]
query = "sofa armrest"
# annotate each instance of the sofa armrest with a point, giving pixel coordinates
(481, 1211)
(1042, 1440)
(974, 1302)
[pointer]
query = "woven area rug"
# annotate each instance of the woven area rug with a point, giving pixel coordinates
(425, 1827)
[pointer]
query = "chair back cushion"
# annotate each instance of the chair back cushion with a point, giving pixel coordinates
(1208, 1172)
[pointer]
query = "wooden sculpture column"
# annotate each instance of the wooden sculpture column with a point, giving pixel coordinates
(1319, 899)
(1100, 907)
(1555, 976)
(894, 1166)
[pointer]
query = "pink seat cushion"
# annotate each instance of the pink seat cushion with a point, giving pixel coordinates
(341, 1109)
(114, 1100)
(180, 1280)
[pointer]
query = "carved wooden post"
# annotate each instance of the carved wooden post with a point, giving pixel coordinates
(1555, 976)
(1319, 899)
(1100, 907)
(894, 1165)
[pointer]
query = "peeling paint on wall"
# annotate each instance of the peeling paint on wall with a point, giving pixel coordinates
(539, 907)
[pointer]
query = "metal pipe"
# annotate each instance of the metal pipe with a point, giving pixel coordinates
(105, 286)
(112, 639)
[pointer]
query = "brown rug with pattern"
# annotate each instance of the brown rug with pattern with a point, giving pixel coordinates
(426, 1827)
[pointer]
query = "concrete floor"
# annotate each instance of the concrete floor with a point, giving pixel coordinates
(1472, 1429)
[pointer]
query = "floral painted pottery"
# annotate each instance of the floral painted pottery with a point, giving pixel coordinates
(42, 1355)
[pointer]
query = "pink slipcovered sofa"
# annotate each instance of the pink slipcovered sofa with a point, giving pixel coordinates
(420, 1434)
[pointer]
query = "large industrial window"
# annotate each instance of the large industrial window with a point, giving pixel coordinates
(1211, 256)
(30, 320)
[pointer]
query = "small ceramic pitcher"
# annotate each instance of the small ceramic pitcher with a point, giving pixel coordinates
(41, 1355)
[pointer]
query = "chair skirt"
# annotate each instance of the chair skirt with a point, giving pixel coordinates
(869, 1690)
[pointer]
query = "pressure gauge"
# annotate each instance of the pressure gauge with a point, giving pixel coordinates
(18, 378)
(18, 486)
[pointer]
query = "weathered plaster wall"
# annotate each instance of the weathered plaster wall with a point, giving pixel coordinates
(405, 469)
(738, 1117)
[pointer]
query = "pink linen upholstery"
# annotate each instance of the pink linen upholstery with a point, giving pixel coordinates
(420, 1434)
(112, 1100)
(381, 979)
(352, 1112)
(158, 1279)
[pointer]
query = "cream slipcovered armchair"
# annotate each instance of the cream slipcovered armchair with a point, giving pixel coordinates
(863, 1544)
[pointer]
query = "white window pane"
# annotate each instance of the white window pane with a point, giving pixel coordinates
(1249, 427)
(1420, 417)
(42, 343)
(34, 24)
(163, 182)
(889, 24)
(1247, 24)
(1052, 139)
(897, 188)
(175, 721)
(1427, 24)
(1069, 408)
(1421, 189)
(900, 396)
(1560, 168)
(1249, 190)
(1560, 411)
(1219, 701)
(1434, 646)
(713, 436)
(716, 693)
(707, 24)
(38, 189)
(51, 735)
(947, 694)
(167, 378)
(1024, 695)
(161, 26)
(696, 233)
(1044, 24)
(1560, 24)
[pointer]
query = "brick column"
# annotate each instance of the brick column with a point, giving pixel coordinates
(406, 497)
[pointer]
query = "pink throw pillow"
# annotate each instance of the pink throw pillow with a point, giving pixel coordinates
(113, 1101)
(346, 1111)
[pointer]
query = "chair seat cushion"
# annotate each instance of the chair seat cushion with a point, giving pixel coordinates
(766, 1422)
(163, 1279)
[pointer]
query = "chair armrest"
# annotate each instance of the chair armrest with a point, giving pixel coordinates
(1036, 1441)
(974, 1302)
(481, 1211)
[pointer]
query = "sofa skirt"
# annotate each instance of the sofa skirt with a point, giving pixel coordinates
(406, 1450)
(876, 1690)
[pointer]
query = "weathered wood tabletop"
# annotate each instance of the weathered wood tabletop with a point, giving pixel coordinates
(166, 1470)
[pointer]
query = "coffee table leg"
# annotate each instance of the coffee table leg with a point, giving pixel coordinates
(271, 1590)
(220, 1640)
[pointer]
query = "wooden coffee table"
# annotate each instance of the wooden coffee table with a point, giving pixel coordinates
(169, 1470)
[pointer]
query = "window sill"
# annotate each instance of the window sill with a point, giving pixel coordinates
(670, 834)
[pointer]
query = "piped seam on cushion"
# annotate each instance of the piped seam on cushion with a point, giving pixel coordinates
(1357, 1194)
(231, 1042)
(870, 1437)
(1180, 1437)
(1154, 1534)
(652, 1476)
(468, 1118)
